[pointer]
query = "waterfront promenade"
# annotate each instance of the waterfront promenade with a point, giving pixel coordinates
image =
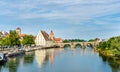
(17, 51)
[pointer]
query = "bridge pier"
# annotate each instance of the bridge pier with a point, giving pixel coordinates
(72, 46)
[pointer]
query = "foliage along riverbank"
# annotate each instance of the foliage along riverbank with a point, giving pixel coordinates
(110, 48)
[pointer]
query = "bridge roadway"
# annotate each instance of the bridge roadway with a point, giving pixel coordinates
(73, 44)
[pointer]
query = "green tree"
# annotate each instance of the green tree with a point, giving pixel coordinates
(14, 38)
(1, 38)
(73, 40)
(91, 40)
(66, 41)
(112, 43)
(6, 42)
(28, 40)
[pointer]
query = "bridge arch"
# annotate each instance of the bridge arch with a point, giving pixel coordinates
(89, 44)
(66, 45)
(78, 44)
(74, 44)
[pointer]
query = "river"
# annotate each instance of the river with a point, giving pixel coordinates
(60, 60)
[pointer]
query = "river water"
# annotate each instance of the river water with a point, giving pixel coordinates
(60, 60)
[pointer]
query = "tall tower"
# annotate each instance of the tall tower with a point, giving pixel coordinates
(18, 30)
(51, 36)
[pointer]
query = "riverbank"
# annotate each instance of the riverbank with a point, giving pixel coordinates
(11, 52)
(112, 55)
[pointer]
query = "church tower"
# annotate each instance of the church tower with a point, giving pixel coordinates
(18, 30)
(51, 36)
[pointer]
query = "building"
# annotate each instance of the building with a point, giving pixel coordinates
(46, 40)
(42, 39)
(18, 31)
(58, 40)
(4, 34)
(51, 36)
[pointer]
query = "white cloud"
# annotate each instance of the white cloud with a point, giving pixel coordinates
(71, 11)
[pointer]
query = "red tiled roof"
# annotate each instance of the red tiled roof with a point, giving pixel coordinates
(22, 35)
(58, 39)
(45, 35)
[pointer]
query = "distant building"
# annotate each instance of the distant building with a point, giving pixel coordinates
(56, 40)
(18, 31)
(46, 40)
(4, 34)
(51, 36)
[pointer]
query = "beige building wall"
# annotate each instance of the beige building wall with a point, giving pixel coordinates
(40, 41)
(49, 43)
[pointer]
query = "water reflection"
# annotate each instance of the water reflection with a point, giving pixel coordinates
(61, 60)
(13, 64)
(113, 62)
(29, 58)
(51, 56)
(40, 56)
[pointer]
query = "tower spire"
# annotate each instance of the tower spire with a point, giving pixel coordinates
(51, 36)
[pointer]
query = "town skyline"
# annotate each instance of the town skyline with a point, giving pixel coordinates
(68, 19)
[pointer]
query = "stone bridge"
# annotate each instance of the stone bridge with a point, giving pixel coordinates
(73, 44)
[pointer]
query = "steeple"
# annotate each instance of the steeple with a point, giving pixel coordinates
(51, 36)
(51, 33)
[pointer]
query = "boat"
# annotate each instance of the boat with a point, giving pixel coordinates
(3, 58)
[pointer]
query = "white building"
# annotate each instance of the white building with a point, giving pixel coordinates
(43, 39)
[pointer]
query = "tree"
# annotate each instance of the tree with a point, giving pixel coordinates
(6, 42)
(93, 40)
(73, 40)
(28, 40)
(14, 38)
(112, 43)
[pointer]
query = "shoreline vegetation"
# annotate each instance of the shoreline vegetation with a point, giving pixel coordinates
(110, 48)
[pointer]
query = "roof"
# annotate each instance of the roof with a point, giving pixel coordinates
(6, 33)
(22, 35)
(1, 33)
(18, 28)
(45, 35)
(58, 39)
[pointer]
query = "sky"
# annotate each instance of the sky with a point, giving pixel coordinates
(68, 19)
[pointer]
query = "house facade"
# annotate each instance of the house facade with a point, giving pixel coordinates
(42, 39)
(45, 40)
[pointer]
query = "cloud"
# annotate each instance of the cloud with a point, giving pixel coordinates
(78, 7)
(80, 16)
(69, 10)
